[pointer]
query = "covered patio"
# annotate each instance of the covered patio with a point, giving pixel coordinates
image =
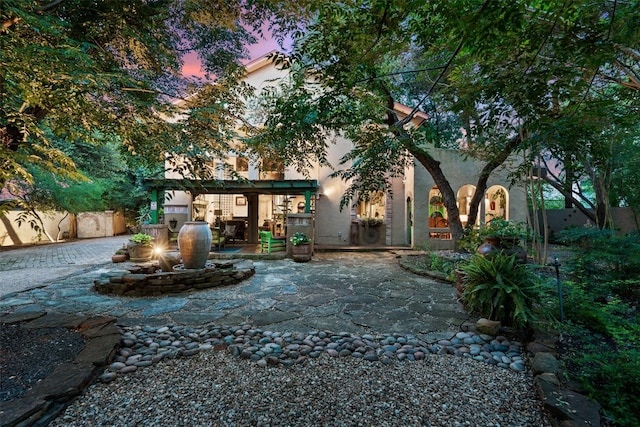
(249, 190)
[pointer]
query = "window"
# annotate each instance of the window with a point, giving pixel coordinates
(242, 164)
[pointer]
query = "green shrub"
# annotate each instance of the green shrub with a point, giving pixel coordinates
(497, 227)
(611, 377)
(601, 255)
(501, 288)
(601, 308)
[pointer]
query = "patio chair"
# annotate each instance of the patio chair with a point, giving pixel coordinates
(269, 244)
(217, 239)
(230, 232)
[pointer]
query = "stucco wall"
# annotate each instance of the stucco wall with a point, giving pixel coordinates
(11, 234)
(458, 172)
(559, 219)
(90, 225)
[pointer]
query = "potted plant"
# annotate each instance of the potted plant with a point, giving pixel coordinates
(121, 255)
(301, 247)
(370, 222)
(436, 200)
(502, 235)
(501, 197)
(140, 247)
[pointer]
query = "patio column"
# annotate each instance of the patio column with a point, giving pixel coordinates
(154, 206)
(252, 226)
(307, 202)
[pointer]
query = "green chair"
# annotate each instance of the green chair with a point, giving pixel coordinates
(217, 239)
(269, 244)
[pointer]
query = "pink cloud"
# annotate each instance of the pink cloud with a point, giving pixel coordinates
(193, 67)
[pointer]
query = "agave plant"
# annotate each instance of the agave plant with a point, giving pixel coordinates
(501, 288)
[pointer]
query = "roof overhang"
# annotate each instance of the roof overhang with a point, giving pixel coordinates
(197, 186)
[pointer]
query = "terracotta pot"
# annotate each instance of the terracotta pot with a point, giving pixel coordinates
(511, 246)
(138, 252)
(490, 246)
(301, 253)
(507, 245)
(194, 243)
(119, 258)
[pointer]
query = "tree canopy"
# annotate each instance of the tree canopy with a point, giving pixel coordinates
(502, 76)
(102, 71)
(507, 71)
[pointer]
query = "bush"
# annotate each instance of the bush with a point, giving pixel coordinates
(497, 227)
(601, 308)
(501, 288)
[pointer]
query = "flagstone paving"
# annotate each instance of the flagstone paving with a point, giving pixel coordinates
(359, 293)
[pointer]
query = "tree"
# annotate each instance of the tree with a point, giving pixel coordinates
(107, 183)
(499, 66)
(101, 71)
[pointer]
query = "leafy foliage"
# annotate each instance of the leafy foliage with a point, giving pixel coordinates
(501, 288)
(110, 71)
(506, 73)
(602, 300)
(142, 238)
(497, 227)
(601, 255)
(299, 238)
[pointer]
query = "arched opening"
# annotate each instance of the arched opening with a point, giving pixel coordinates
(496, 202)
(436, 202)
(438, 223)
(463, 197)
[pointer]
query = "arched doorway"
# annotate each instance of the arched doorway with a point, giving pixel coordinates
(438, 223)
(463, 197)
(496, 203)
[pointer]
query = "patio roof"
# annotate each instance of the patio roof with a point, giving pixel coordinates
(196, 186)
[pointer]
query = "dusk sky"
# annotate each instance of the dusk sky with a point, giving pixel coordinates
(192, 67)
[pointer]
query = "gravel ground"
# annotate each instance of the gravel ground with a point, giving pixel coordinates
(29, 355)
(214, 388)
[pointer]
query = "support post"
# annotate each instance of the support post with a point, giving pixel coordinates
(154, 206)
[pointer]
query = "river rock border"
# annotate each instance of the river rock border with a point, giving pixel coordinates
(146, 280)
(145, 345)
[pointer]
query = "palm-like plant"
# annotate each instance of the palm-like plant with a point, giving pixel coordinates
(501, 288)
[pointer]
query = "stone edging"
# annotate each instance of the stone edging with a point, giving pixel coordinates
(49, 397)
(563, 406)
(145, 280)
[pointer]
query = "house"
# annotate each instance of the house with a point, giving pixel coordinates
(270, 195)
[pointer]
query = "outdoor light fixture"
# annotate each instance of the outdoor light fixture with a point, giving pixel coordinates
(157, 252)
(557, 265)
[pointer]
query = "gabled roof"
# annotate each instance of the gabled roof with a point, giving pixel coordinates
(260, 62)
(267, 59)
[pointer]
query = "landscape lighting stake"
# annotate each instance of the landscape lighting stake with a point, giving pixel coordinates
(557, 265)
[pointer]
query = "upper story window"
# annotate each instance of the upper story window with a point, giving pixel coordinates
(272, 169)
(242, 164)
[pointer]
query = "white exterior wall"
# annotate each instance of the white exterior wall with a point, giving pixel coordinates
(459, 172)
(89, 225)
(11, 234)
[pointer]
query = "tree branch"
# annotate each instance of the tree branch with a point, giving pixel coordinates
(49, 6)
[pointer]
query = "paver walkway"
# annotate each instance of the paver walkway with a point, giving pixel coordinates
(32, 266)
(355, 292)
